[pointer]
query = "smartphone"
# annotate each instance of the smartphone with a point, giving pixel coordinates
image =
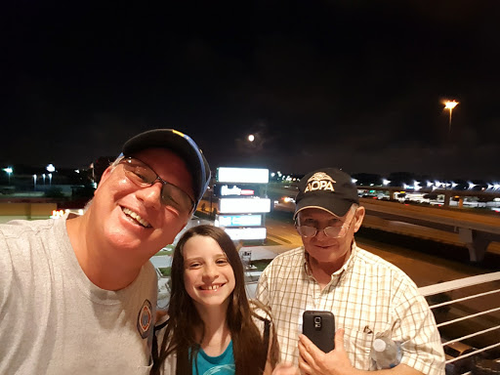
(319, 327)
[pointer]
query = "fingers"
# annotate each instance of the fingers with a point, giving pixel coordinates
(304, 340)
(313, 361)
(308, 354)
(304, 366)
(308, 346)
(305, 348)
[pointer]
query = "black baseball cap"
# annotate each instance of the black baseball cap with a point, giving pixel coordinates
(182, 145)
(328, 189)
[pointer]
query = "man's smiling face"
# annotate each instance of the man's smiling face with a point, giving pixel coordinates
(132, 221)
(329, 250)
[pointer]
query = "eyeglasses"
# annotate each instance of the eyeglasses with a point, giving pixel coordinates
(338, 231)
(143, 176)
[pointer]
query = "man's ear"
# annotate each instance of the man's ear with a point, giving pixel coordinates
(358, 218)
(104, 177)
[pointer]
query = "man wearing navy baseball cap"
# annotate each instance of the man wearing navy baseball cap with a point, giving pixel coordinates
(78, 295)
(368, 296)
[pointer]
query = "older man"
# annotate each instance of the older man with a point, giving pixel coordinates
(367, 295)
(77, 296)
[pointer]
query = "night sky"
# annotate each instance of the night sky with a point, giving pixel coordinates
(354, 84)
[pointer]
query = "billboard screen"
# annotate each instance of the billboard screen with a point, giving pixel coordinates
(243, 175)
(244, 205)
(237, 234)
(238, 220)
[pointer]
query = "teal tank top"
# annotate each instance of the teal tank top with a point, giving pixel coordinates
(221, 365)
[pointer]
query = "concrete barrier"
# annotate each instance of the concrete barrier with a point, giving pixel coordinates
(26, 210)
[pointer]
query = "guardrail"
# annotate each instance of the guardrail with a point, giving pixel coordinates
(475, 231)
(25, 210)
(467, 313)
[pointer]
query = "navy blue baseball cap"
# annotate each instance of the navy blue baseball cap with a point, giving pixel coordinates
(328, 189)
(182, 145)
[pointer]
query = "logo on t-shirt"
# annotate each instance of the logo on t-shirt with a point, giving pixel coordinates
(145, 319)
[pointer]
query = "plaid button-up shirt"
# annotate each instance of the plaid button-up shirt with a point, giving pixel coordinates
(368, 296)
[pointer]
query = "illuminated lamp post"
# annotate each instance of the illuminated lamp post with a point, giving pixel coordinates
(450, 105)
(9, 171)
(51, 169)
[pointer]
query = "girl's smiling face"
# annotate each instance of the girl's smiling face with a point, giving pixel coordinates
(208, 276)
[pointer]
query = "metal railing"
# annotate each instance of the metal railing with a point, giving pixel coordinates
(467, 313)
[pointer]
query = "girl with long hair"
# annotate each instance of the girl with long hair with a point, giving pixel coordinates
(212, 326)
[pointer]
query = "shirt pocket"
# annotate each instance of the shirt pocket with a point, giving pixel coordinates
(358, 345)
(144, 370)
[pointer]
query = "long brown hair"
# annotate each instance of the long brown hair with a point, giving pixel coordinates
(249, 349)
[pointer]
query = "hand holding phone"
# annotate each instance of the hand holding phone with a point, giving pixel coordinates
(319, 327)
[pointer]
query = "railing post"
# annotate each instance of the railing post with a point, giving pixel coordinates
(447, 198)
(476, 242)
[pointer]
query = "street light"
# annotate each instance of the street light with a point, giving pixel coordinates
(51, 169)
(450, 105)
(9, 171)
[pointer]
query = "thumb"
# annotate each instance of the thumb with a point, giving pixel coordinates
(339, 338)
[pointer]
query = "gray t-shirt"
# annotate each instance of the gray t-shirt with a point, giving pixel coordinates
(54, 320)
